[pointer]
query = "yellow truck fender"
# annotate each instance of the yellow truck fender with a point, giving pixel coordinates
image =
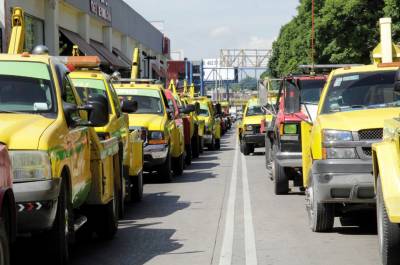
(306, 153)
(386, 165)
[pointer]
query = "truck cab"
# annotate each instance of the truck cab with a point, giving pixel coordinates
(283, 141)
(160, 128)
(89, 80)
(212, 124)
(63, 173)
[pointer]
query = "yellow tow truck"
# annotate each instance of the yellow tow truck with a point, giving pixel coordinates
(249, 129)
(64, 174)
(160, 129)
(336, 146)
(212, 128)
(88, 79)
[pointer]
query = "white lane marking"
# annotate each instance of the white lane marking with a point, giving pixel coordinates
(249, 238)
(227, 242)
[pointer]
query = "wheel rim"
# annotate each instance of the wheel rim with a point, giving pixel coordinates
(310, 204)
(2, 253)
(380, 221)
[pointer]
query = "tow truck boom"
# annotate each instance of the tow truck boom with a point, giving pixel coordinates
(17, 38)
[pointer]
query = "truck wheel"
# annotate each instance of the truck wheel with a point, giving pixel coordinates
(321, 216)
(178, 165)
(217, 144)
(281, 182)
(137, 187)
(195, 146)
(107, 220)
(62, 227)
(5, 237)
(201, 145)
(388, 233)
(244, 148)
(211, 146)
(165, 171)
(188, 157)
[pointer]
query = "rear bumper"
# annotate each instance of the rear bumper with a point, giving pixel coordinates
(155, 155)
(256, 139)
(344, 180)
(36, 204)
(289, 159)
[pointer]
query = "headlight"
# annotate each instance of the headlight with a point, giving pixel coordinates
(340, 153)
(333, 135)
(290, 129)
(156, 137)
(249, 128)
(30, 165)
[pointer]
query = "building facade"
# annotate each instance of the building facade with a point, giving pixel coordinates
(110, 29)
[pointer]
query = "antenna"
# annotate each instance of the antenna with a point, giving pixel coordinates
(312, 36)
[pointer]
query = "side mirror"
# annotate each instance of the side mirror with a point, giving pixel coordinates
(115, 76)
(97, 108)
(292, 98)
(197, 108)
(129, 106)
(218, 109)
(189, 109)
(170, 114)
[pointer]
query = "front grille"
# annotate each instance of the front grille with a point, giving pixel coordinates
(367, 151)
(371, 134)
(256, 129)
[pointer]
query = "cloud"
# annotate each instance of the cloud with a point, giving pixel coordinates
(220, 32)
(258, 43)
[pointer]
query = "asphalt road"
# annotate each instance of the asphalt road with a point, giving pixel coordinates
(222, 211)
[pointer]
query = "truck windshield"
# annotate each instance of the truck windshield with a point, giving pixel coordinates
(26, 87)
(310, 91)
(149, 101)
(204, 110)
(254, 111)
(87, 87)
(359, 91)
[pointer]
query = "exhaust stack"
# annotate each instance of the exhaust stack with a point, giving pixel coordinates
(386, 40)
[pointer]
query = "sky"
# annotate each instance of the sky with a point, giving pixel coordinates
(202, 27)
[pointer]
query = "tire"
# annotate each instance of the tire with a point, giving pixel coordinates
(5, 237)
(217, 144)
(201, 145)
(137, 187)
(178, 165)
(195, 146)
(121, 189)
(165, 171)
(244, 148)
(188, 157)
(388, 233)
(281, 181)
(211, 146)
(107, 220)
(321, 216)
(63, 225)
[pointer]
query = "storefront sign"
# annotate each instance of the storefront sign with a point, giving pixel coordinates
(101, 8)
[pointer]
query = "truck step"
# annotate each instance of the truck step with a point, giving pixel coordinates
(79, 222)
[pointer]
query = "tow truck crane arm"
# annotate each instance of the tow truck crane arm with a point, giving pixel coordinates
(135, 64)
(17, 38)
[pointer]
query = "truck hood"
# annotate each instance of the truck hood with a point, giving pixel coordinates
(253, 119)
(357, 120)
(152, 122)
(22, 131)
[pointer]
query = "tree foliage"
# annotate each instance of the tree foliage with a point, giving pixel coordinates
(346, 32)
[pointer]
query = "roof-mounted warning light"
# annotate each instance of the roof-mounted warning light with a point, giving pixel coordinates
(80, 62)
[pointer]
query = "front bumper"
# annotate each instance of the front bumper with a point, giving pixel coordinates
(257, 139)
(155, 155)
(36, 204)
(289, 159)
(207, 139)
(344, 181)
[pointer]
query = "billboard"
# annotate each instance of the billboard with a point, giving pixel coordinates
(214, 72)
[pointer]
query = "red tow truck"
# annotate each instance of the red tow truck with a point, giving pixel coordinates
(283, 137)
(8, 224)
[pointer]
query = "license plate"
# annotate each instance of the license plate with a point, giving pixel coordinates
(290, 137)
